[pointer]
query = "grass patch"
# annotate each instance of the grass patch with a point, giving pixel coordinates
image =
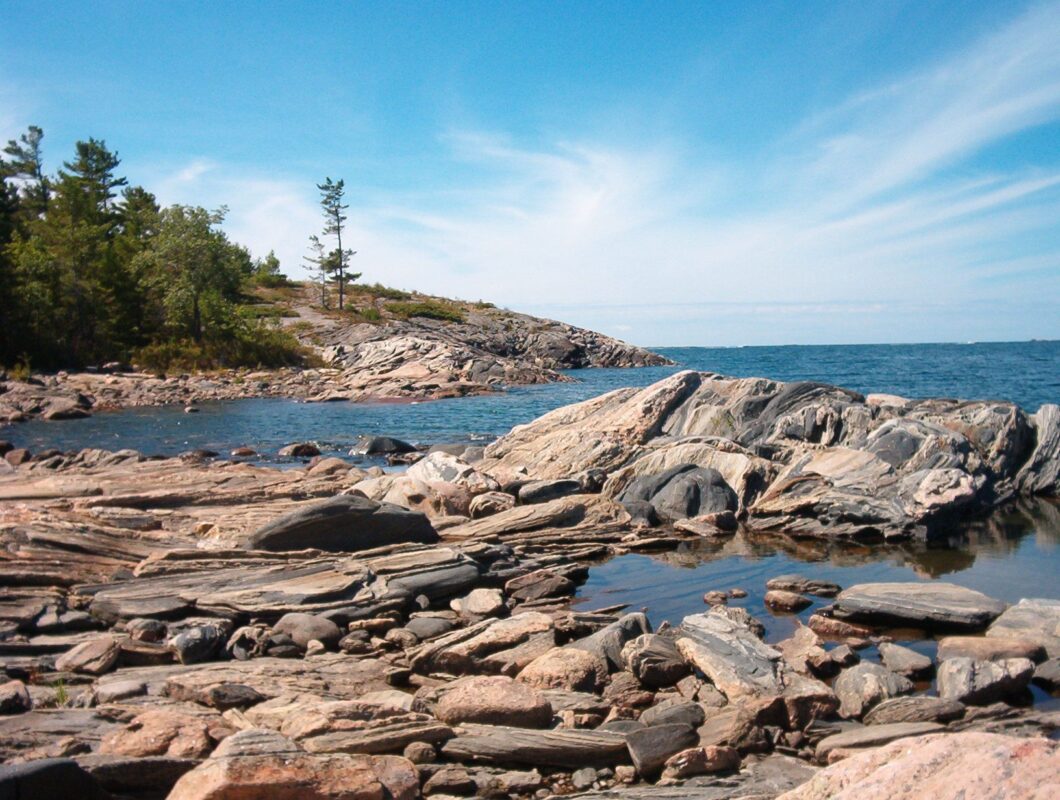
(267, 311)
(428, 309)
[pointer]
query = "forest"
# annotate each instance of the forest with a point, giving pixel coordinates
(94, 270)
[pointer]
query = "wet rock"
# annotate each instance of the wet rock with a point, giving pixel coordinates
(982, 682)
(554, 748)
(803, 585)
(299, 450)
(716, 597)
(490, 503)
(347, 523)
(1035, 619)
(49, 777)
(871, 736)
(94, 657)
(831, 628)
(566, 668)
(934, 605)
(863, 686)
(989, 648)
(380, 446)
(494, 700)
(15, 698)
(973, 766)
(781, 600)
(651, 747)
(701, 761)
(1047, 675)
(918, 708)
(165, 733)
(904, 661)
(655, 660)
(303, 628)
(243, 452)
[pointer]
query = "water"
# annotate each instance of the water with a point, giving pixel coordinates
(1027, 373)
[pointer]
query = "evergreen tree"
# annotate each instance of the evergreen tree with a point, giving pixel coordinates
(27, 164)
(332, 194)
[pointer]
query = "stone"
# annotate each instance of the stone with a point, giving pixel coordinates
(871, 736)
(1035, 619)
(15, 698)
(989, 648)
(420, 753)
(380, 446)
(116, 690)
(863, 686)
(566, 668)
(728, 653)
(489, 503)
(449, 781)
(716, 597)
(493, 700)
(668, 713)
(347, 523)
(480, 603)
(701, 761)
(904, 661)
(539, 585)
(165, 733)
(918, 708)
(934, 605)
(47, 778)
(94, 657)
(441, 467)
(655, 660)
(583, 779)
(684, 491)
(981, 682)
(544, 491)
(836, 629)
(299, 450)
(287, 773)
(1040, 474)
(609, 640)
(972, 766)
(1047, 675)
(199, 643)
(651, 747)
(146, 630)
(553, 748)
(791, 602)
(803, 585)
(222, 696)
(304, 628)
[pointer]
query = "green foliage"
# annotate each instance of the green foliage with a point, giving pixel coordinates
(267, 272)
(378, 290)
(62, 697)
(372, 314)
(429, 309)
(250, 346)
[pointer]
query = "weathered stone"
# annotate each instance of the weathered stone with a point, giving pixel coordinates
(918, 708)
(449, 781)
(831, 628)
(566, 668)
(735, 660)
(1036, 619)
(791, 602)
(49, 777)
(116, 690)
(95, 657)
(989, 648)
(490, 503)
(679, 711)
(480, 603)
(129, 776)
(651, 747)
(299, 450)
(15, 698)
(165, 733)
(494, 700)
(927, 605)
(557, 748)
(1047, 674)
(537, 585)
(871, 736)
(543, 491)
(982, 682)
(904, 661)
(381, 445)
(609, 640)
(584, 778)
(701, 761)
(347, 523)
(803, 585)
(200, 642)
(863, 686)
(303, 628)
(655, 660)
(972, 766)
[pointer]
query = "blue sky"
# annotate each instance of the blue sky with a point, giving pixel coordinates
(671, 173)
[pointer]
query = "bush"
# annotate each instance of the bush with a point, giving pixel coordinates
(428, 309)
(267, 311)
(252, 346)
(378, 290)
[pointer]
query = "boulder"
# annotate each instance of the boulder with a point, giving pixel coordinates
(1035, 619)
(566, 668)
(607, 643)
(679, 712)
(684, 491)
(870, 736)
(803, 585)
(917, 708)
(904, 661)
(381, 446)
(441, 467)
(94, 657)
(781, 600)
(1047, 675)
(304, 628)
(655, 660)
(972, 766)
(701, 761)
(200, 642)
(934, 605)
(15, 698)
(493, 700)
(1041, 472)
(480, 603)
(989, 648)
(983, 682)
(651, 747)
(299, 450)
(863, 686)
(347, 523)
(728, 653)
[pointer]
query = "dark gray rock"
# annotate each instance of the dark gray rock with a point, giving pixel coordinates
(655, 660)
(683, 491)
(48, 777)
(803, 585)
(873, 736)
(125, 776)
(863, 686)
(303, 628)
(609, 640)
(429, 627)
(380, 446)
(905, 661)
(933, 605)
(651, 746)
(199, 643)
(1036, 619)
(347, 523)
(918, 708)
(1047, 675)
(684, 713)
(982, 682)
(543, 491)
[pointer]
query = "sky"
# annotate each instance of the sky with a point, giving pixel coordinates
(672, 173)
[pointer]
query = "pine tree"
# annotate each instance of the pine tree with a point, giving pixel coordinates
(27, 165)
(332, 194)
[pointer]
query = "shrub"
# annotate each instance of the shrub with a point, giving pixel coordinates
(253, 345)
(378, 290)
(428, 309)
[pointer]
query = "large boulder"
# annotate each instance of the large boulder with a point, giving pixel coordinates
(862, 686)
(982, 682)
(566, 668)
(683, 491)
(934, 605)
(347, 523)
(1035, 619)
(494, 700)
(304, 628)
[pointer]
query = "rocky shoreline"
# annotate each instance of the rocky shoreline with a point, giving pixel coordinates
(198, 627)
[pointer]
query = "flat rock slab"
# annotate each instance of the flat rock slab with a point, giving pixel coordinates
(932, 605)
(872, 736)
(918, 708)
(556, 748)
(736, 661)
(1034, 619)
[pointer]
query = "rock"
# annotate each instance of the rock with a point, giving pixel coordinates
(566, 668)
(701, 761)
(328, 466)
(934, 605)
(803, 585)
(381, 446)
(538, 585)
(440, 467)
(420, 753)
(651, 747)
(863, 686)
(904, 661)
(125, 776)
(655, 660)
(303, 628)
(243, 452)
(116, 690)
(741, 617)
(15, 698)
(831, 628)
(240, 771)
(716, 597)
(146, 630)
(429, 627)
(94, 657)
(299, 450)
(47, 778)
(609, 640)
(1036, 619)
(449, 781)
(1047, 675)
(17, 456)
(871, 736)
(315, 647)
(347, 523)
(543, 491)
(972, 766)
(553, 748)
(165, 733)
(728, 653)
(489, 503)
(493, 700)
(584, 778)
(683, 491)
(780, 600)
(480, 603)
(982, 682)
(682, 712)
(222, 696)
(1040, 474)
(199, 643)
(918, 708)
(989, 648)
